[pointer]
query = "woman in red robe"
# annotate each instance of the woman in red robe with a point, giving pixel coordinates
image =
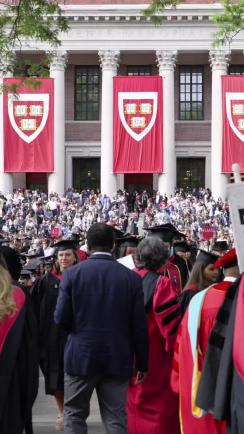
(191, 346)
(152, 406)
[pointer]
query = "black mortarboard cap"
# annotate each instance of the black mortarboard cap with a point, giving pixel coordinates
(32, 264)
(75, 238)
(167, 232)
(25, 274)
(65, 245)
(220, 246)
(29, 255)
(117, 233)
(127, 240)
(206, 257)
(47, 259)
(130, 240)
(181, 246)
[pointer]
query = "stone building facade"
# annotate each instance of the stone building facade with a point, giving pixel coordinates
(112, 37)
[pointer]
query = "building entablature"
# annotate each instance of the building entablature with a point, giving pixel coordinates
(125, 13)
(186, 28)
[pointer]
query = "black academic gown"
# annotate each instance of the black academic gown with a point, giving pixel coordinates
(19, 374)
(52, 338)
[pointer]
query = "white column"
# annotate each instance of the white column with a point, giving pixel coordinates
(120, 181)
(219, 62)
(57, 71)
(6, 179)
(166, 63)
(109, 63)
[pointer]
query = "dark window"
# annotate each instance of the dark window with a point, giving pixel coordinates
(191, 93)
(87, 85)
(139, 70)
(236, 70)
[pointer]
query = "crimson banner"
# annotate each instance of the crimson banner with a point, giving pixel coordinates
(233, 122)
(28, 127)
(138, 125)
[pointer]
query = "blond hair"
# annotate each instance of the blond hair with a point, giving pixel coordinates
(7, 304)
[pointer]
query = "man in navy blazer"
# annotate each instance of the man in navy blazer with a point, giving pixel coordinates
(100, 305)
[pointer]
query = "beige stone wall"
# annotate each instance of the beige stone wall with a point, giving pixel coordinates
(124, 2)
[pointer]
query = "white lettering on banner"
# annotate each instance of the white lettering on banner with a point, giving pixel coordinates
(146, 108)
(28, 124)
(130, 109)
(20, 110)
(36, 110)
(138, 122)
(241, 124)
(238, 109)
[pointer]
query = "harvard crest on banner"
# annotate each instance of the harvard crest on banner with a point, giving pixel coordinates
(28, 128)
(233, 122)
(138, 125)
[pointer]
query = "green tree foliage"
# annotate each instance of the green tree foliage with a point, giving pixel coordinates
(230, 22)
(25, 21)
(156, 7)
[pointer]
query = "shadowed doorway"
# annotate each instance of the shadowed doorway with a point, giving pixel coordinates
(86, 173)
(138, 182)
(190, 173)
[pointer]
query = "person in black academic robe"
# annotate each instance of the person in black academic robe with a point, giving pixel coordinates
(52, 338)
(18, 360)
(26, 379)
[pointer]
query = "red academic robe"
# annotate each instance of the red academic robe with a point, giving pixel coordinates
(152, 406)
(181, 378)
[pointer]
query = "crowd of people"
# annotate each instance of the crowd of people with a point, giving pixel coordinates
(145, 335)
(31, 215)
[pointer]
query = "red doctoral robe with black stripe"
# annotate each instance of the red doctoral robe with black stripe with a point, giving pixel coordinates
(152, 406)
(181, 378)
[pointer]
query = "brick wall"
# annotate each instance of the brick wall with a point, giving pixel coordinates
(82, 131)
(192, 131)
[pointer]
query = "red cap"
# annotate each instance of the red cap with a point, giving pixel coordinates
(229, 259)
